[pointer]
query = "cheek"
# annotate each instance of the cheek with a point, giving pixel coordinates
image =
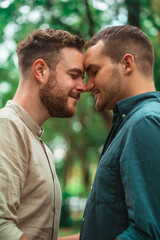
(67, 82)
(100, 81)
(90, 80)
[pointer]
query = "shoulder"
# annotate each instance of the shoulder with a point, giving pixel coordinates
(144, 125)
(12, 129)
(10, 119)
(143, 114)
(13, 140)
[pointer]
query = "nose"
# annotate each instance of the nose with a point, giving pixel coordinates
(81, 87)
(89, 85)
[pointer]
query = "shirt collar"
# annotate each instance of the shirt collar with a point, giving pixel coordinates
(26, 118)
(123, 107)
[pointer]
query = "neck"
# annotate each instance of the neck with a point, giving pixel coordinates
(30, 101)
(138, 85)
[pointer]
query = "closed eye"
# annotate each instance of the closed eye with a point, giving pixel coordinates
(92, 69)
(75, 73)
(94, 72)
(74, 76)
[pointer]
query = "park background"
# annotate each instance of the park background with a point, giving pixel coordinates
(76, 142)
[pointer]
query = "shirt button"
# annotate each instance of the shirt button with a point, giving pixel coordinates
(123, 115)
(83, 219)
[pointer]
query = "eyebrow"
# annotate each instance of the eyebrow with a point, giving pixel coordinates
(77, 70)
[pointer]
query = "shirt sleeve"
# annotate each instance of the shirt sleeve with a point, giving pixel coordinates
(13, 165)
(140, 171)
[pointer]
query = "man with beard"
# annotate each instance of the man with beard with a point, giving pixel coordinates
(51, 81)
(124, 202)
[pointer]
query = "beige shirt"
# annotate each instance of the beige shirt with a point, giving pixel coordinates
(30, 195)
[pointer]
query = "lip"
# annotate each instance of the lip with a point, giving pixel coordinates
(96, 92)
(76, 97)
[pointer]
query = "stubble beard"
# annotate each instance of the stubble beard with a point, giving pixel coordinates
(108, 101)
(55, 99)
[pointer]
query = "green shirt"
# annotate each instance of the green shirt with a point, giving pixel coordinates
(124, 202)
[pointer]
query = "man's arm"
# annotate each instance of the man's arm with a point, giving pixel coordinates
(140, 171)
(71, 237)
(13, 165)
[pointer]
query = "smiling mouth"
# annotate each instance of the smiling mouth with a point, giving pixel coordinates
(95, 92)
(76, 96)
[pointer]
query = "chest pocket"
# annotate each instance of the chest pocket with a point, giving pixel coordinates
(105, 186)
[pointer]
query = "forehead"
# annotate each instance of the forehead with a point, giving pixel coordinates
(94, 55)
(71, 58)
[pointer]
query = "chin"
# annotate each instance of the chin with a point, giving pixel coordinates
(72, 113)
(71, 108)
(99, 108)
(68, 113)
(64, 114)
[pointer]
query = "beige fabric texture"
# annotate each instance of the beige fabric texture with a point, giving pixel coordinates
(30, 195)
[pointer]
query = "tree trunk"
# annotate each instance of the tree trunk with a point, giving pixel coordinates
(133, 7)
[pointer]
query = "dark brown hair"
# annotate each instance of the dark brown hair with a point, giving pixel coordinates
(46, 44)
(120, 40)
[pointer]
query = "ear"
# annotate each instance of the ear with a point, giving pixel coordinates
(40, 70)
(128, 63)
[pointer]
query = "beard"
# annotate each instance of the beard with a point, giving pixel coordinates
(110, 95)
(55, 99)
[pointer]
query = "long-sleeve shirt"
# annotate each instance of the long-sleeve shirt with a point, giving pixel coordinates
(124, 202)
(30, 195)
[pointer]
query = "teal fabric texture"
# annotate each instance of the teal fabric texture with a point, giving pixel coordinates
(124, 201)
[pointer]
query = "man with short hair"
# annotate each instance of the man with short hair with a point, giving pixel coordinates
(124, 202)
(51, 81)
